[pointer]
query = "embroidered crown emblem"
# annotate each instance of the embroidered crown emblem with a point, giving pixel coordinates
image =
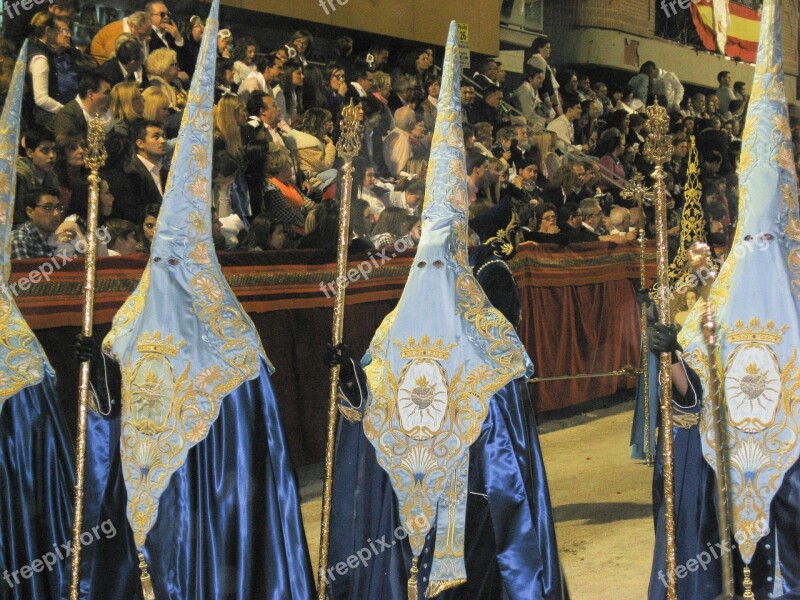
(768, 334)
(153, 343)
(425, 349)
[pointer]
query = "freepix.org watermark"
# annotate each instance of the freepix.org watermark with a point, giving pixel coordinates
(328, 5)
(715, 552)
(668, 6)
(49, 560)
(26, 5)
(365, 267)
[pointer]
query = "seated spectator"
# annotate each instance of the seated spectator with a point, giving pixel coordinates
(526, 181)
(484, 138)
(262, 78)
(593, 224)
(314, 87)
(486, 75)
(224, 43)
(264, 235)
(409, 199)
(403, 88)
(18, 26)
(487, 109)
(365, 188)
(564, 186)
(244, 59)
(289, 96)
(397, 145)
(162, 72)
(44, 214)
(337, 87)
(416, 65)
(610, 148)
(426, 111)
(70, 168)
(476, 174)
(507, 147)
(127, 106)
(548, 231)
(192, 33)
(563, 126)
(323, 232)
(36, 169)
(570, 221)
(620, 221)
(526, 98)
(76, 222)
(156, 105)
(121, 237)
(314, 149)
(53, 73)
(126, 65)
(283, 200)
(391, 226)
(302, 42)
(93, 101)
(104, 42)
(230, 117)
(223, 79)
(382, 86)
(142, 180)
(146, 231)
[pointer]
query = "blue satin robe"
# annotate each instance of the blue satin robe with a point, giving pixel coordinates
(511, 549)
(697, 532)
(650, 362)
(229, 524)
(36, 489)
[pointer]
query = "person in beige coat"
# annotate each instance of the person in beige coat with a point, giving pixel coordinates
(312, 145)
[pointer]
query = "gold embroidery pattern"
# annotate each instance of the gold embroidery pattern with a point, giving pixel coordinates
(693, 222)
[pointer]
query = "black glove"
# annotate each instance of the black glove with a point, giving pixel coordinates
(85, 348)
(663, 338)
(643, 297)
(340, 355)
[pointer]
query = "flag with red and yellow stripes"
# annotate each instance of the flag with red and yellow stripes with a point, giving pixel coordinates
(743, 25)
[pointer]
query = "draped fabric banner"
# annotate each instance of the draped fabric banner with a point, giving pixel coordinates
(743, 25)
(579, 316)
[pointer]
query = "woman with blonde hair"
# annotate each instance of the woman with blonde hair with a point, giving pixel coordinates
(162, 70)
(230, 115)
(127, 105)
(156, 104)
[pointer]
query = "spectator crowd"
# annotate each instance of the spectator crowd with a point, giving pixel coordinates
(562, 145)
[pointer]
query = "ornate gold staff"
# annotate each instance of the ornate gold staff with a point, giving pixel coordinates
(95, 159)
(700, 258)
(637, 191)
(658, 150)
(348, 148)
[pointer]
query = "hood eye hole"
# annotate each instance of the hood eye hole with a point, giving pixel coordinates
(438, 264)
(747, 238)
(422, 264)
(768, 236)
(157, 259)
(173, 261)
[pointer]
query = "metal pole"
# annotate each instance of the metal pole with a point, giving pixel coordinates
(348, 148)
(95, 159)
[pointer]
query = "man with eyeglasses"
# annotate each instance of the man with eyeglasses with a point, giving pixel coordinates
(165, 33)
(44, 216)
(361, 86)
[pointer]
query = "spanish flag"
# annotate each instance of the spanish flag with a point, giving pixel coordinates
(743, 24)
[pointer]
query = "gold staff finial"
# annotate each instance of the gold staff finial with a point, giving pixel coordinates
(348, 147)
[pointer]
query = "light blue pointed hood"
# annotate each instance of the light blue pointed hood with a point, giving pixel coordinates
(439, 357)
(755, 300)
(182, 339)
(22, 360)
